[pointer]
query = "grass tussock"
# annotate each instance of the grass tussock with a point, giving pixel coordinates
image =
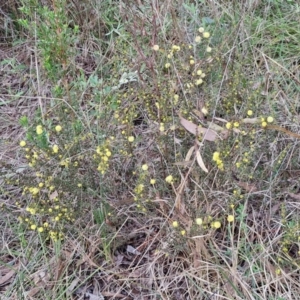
(150, 150)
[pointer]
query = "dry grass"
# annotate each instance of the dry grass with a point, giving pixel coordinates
(119, 235)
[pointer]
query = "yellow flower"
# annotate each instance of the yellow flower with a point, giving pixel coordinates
(34, 191)
(33, 227)
(216, 156)
(264, 124)
(58, 128)
(236, 124)
(230, 218)
(192, 62)
(22, 143)
(208, 49)
(182, 232)
(39, 129)
(155, 47)
(270, 119)
(175, 48)
(131, 139)
(278, 271)
(167, 65)
(249, 112)
(169, 179)
(152, 181)
(144, 167)
(199, 81)
(175, 224)
(40, 229)
(201, 29)
(204, 111)
(198, 39)
(55, 149)
(206, 35)
(216, 224)
(199, 72)
(228, 125)
(199, 221)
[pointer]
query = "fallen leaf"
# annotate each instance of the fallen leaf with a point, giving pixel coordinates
(294, 196)
(221, 120)
(200, 162)
(4, 279)
(53, 195)
(93, 296)
(183, 163)
(208, 134)
(189, 154)
(132, 250)
(248, 187)
(251, 120)
(33, 292)
(215, 127)
(189, 126)
(72, 287)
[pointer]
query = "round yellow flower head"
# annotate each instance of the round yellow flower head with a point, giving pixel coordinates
(228, 125)
(208, 49)
(216, 156)
(175, 224)
(199, 81)
(155, 47)
(58, 128)
(33, 227)
(204, 110)
(22, 143)
(169, 179)
(216, 224)
(55, 149)
(131, 139)
(206, 34)
(230, 218)
(264, 124)
(198, 39)
(182, 232)
(270, 119)
(167, 65)
(199, 221)
(175, 48)
(278, 271)
(249, 112)
(201, 29)
(39, 129)
(144, 167)
(152, 181)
